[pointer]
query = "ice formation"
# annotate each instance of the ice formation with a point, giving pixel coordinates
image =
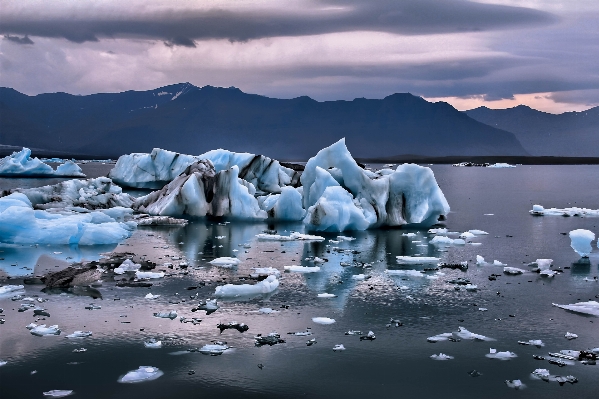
(284, 206)
(302, 269)
(269, 271)
(590, 307)
(478, 232)
(441, 356)
(506, 355)
(265, 286)
(323, 320)
(444, 241)
(326, 295)
(127, 266)
(463, 333)
(21, 224)
(143, 373)
(501, 165)
(6, 289)
(539, 210)
(480, 260)
(515, 384)
(292, 237)
(338, 347)
(148, 275)
(213, 349)
(513, 271)
(58, 393)
(410, 195)
(225, 261)
(416, 259)
(413, 273)
(80, 334)
(153, 344)
(98, 193)
(581, 241)
(21, 164)
(42, 330)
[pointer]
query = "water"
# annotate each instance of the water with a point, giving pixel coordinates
(396, 363)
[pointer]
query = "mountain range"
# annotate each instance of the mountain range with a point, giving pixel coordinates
(189, 119)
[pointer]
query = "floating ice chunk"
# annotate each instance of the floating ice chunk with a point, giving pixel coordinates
(210, 306)
(58, 393)
(214, 349)
(506, 355)
(323, 320)
(148, 275)
(267, 311)
(512, 271)
(292, 237)
(150, 296)
(498, 263)
(271, 271)
(538, 210)
(153, 344)
(590, 307)
(225, 261)
(413, 273)
(143, 373)
(515, 384)
(570, 336)
(416, 259)
(368, 337)
(21, 164)
(480, 260)
(265, 286)
(3, 363)
(80, 334)
(338, 347)
(166, 315)
(463, 333)
(466, 235)
(440, 337)
(548, 273)
(127, 266)
(444, 241)
(335, 210)
(42, 330)
(345, 238)
(325, 295)
(478, 232)
(534, 342)
(470, 287)
(5, 289)
(543, 374)
(441, 356)
(271, 339)
(359, 277)
(501, 165)
(438, 231)
(581, 241)
(302, 269)
(543, 263)
(318, 260)
(409, 234)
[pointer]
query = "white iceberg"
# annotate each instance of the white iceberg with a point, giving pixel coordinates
(302, 269)
(42, 330)
(444, 241)
(6, 289)
(480, 261)
(143, 373)
(58, 393)
(21, 164)
(581, 241)
(80, 334)
(441, 356)
(323, 320)
(265, 286)
(127, 266)
(539, 210)
(338, 347)
(213, 349)
(466, 235)
(501, 165)
(270, 271)
(513, 271)
(21, 224)
(478, 232)
(506, 355)
(570, 336)
(225, 261)
(416, 259)
(153, 344)
(325, 295)
(463, 333)
(291, 237)
(150, 296)
(590, 307)
(410, 195)
(148, 275)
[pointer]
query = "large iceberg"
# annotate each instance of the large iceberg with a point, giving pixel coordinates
(21, 224)
(581, 241)
(98, 193)
(160, 167)
(409, 195)
(21, 164)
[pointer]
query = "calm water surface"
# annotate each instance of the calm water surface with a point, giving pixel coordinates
(396, 364)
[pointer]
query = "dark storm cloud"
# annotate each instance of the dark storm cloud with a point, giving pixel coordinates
(182, 27)
(18, 40)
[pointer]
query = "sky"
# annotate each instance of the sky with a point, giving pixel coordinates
(496, 53)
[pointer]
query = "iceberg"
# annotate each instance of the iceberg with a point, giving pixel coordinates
(323, 320)
(143, 373)
(225, 261)
(409, 195)
(21, 164)
(444, 241)
(302, 269)
(127, 266)
(338, 347)
(501, 165)
(590, 307)
(513, 271)
(539, 210)
(284, 206)
(416, 259)
(42, 330)
(463, 333)
(581, 241)
(214, 349)
(265, 286)
(148, 275)
(58, 393)
(21, 224)
(292, 237)
(441, 356)
(506, 355)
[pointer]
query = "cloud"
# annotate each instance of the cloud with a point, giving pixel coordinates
(184, 25)
(18, 40)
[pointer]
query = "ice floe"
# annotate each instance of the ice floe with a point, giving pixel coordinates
(515, 384)
(500, 165)
(445, 241)
(590, 307)
(148, 275)
(215, 349)
(505, 355)
(441, 356)
(291, 237)
(127, 266)
(513, 271)
(42, 330)
(302, 269)
(143, 373)
(225, 261)
(539, 210)
(323, 320)
(416, 259)
(462, 333)
(338, 348)
(325, 295)
(80, 334)
(153, 343)
(265, 286)
(11, 289)
(545, 375)
(570, 336)
(166, 315)
(58, 393)
(21, 164)
(581, 241)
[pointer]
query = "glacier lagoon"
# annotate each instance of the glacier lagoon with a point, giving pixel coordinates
(397, 362)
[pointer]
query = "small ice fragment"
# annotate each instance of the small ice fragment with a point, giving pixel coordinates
(79, 350)
(506, 355)
(466, 235)
(153, 343)
(590, 307)
(271, 339)
(535, 342)
(325, 295)
(346, 238)
(301, 333)
(409, 234)
(512, 271)
(480, 260)
(323, 320)
(166, 315)
(225, 261)
(338, 347)
(241, 327)
(3, 363)
(80, 334)
(368, 337)
(270, 271)
(318, 260)
(58, 393)
(498, 263)
(483, 309)
(42, 330)
(581, 241)
(437, 231)
(478, 232)
(265, 286)
(210, 306)
(127, 266)
(291, 237)
(353, 332)
(147, 275)
(267, 310)
(93, 306)
(570, 336)
(143, 373)
(10, 288)
(359, 276)
(302, 269)
(441, 356)
(463, 333)
(416, 259)
(214, 349)
(439, 337)
(150, 296)
(515, 384)
(444, 241)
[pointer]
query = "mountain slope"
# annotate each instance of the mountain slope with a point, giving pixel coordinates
(541, 133)
(189, 119)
